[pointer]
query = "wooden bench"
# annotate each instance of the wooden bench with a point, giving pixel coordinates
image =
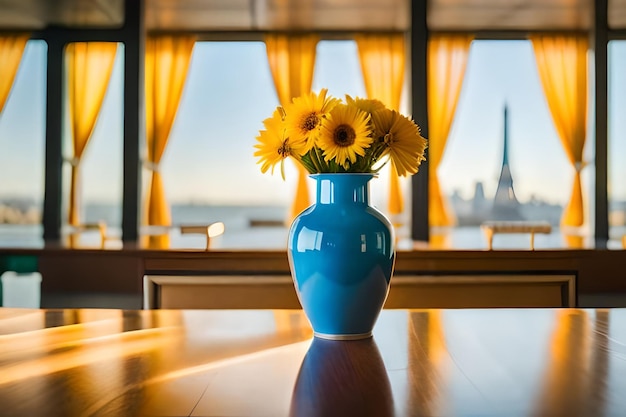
(491, 228)
(209, 231)
(101, 227)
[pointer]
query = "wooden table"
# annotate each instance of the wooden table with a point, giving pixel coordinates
(501, 362)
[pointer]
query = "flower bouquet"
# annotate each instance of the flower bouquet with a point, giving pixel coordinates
(328, 135)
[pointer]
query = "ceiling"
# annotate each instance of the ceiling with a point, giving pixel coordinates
(510, 14)
(37, 14)
(325, 15)
(278, 14)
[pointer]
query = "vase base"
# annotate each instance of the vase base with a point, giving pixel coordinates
(349, 336)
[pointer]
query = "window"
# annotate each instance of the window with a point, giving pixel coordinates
(338, 68)
(503, 74)
(616, 141)
(100, 183)
(22, 148)
(209, 170)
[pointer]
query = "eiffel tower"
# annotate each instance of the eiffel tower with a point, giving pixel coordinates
(505, 204)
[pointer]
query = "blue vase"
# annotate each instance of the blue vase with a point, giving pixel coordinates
(341, 253)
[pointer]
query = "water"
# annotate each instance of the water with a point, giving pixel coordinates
(241, 235)
(21, 236)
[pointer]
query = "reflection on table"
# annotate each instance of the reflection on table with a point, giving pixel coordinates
(501, 362)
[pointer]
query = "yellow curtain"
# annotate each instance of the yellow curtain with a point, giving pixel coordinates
(11, 50)
(383, 61)
(292, 62)
(574, 241)
(166, 64)
(447, 60)
(562, 64)
(89, 67)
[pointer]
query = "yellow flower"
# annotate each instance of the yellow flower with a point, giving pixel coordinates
(304, 119)
(273, 146)
(403, 142)
(365, 104)
(345, 134)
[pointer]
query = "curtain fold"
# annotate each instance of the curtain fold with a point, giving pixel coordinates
(562, 65)
(11, 51)
(292, 61)
(166, 64)
(383, 64)
(89, 68)
(447, 61)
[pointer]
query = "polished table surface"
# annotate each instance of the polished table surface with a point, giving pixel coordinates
(501, 362)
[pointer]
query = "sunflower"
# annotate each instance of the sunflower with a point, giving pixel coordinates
(402, 140)
(345, 134)
(273, 146)
(365, 104)
(304, 118)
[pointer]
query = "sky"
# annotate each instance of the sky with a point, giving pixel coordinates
(229, 92)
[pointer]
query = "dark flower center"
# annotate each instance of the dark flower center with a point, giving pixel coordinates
(310, 122)
(284, 151)
(344, 135)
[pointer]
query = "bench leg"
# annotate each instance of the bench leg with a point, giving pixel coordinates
(489, 234)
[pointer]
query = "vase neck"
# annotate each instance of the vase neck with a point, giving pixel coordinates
(343, 188)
